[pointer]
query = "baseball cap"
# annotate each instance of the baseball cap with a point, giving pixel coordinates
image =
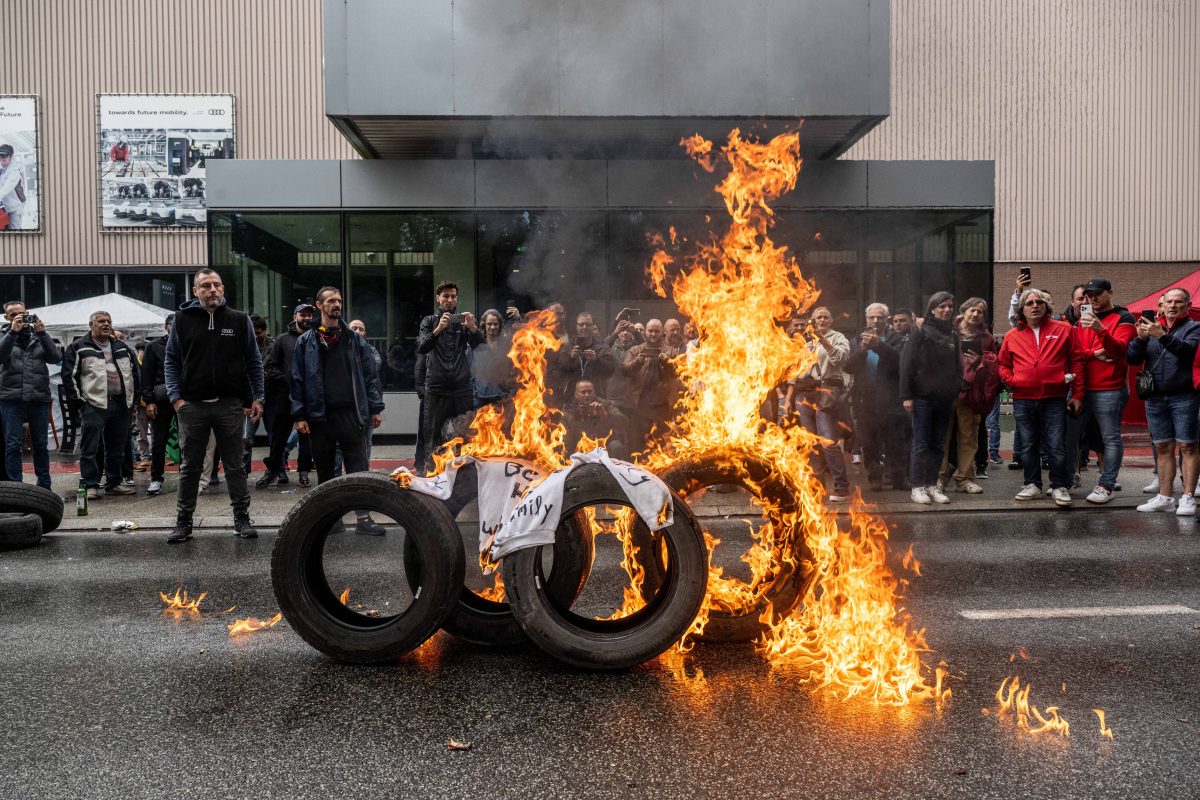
(1097, 285)
(6, 150)
(302, 308)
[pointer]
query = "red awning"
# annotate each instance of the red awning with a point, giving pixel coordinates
(1150, 301)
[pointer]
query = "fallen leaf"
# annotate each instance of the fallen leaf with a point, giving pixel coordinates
(960, 772)
(455, 744)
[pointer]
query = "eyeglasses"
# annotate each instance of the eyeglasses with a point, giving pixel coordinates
(1032, 303)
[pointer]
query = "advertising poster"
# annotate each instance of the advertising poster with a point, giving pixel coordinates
(153, 152)
(19, 201)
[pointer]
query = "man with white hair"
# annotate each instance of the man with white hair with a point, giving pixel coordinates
(12, 188)
(879, 419)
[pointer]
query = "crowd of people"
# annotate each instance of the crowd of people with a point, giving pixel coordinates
(914, 398)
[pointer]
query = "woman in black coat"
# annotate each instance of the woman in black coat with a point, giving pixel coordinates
(930, 378)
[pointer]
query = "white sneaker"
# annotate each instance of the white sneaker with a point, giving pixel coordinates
(1158, 503)
(855, 459)
(937, 495)
(919, 495)
(838, 498)
(1029, 492)
(1099, 495)
(154, 488)
(970, 487)
(1151, 488)
(1186, 506)
(1061, 495)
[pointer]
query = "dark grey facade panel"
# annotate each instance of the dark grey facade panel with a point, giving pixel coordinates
(399, 55)
(951, 184)
(333, 44)
(540, 184)
(246, 184)
(714, 57)
(880, 68)
(243, 183)
(610, 58)
(818, 59)
(506, 56)
(445, 183)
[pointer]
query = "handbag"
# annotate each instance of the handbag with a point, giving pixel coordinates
(1144, 385)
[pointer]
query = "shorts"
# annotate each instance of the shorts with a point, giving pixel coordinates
(1172, 418)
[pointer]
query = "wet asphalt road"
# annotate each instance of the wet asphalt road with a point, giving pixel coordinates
(103, 696)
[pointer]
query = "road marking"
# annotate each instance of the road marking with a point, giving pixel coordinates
(1084, 611)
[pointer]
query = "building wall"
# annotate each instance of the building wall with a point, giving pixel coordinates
(265, 52)
(1090, 109)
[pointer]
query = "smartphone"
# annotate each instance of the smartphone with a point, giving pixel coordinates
(634, 314)
(973, 347)
(456, 318)
(653, 352)
(510, 303)
(1150, 314)
(1027, 273)
(1086, 308)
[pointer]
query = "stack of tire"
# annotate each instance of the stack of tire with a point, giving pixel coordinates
(539, 605)
(26, 513)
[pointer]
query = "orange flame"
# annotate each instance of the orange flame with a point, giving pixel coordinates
(180, 603)
(252, 624)
(1012, 698)
(1106, 732)
(344, 597)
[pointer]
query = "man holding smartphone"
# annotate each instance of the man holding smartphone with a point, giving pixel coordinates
(26, 351)
(1166, 347)
(1104, 332)
(446, 337)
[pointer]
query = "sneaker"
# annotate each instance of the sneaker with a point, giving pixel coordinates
(181, 532)
(1029, 491)
(128, 482)
(1186, 506)
(154, 488)
(970, 487)
(981, 475)
(283, 478)
(1100, 495)
(995, 458)
(303, 479)
(266, 480)
(1061, 495)
(1116, 487)
(1151, 488)
(243, 527)
(919, 495)
(838, 498)
(369, 527)
(1158, 503)
(1014, 464)
(1077, 481)
(93, 493)
(120, 488)
(937, 495)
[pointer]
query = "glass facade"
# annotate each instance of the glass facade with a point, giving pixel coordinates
(388, 263)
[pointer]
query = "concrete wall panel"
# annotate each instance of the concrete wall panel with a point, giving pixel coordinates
(244, 183)
(610, 57)
(540, 184)
(713, 57)
(506, 57)
(408, 184)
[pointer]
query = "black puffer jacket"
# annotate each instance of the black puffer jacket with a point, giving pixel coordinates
(930, 366)
(24, 358)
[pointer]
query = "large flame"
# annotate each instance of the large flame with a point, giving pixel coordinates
(851, 634)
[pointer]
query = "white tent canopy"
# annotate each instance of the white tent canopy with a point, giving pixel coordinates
(131, 316)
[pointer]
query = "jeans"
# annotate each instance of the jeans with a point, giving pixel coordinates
(993, 430)
(824, 424)
(930, 421)
(15, 413)
(1042, 425)
(1106, 407)
(340, 428)
(109, 429)
(163, 415)
(1172, 418)
(266, 420)
(223, 420)
(883, 433)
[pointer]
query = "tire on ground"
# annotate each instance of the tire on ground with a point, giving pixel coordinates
(311, 606)
(788, 583)
(29, 499)
(631, 640)
(19, 530)
(481, 621)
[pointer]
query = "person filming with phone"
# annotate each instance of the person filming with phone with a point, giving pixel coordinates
(446, 337)
(1104, 331)
(26, 350)
(1165, 347)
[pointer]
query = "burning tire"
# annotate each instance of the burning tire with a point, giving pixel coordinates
(326, 620)
(27, 499)
(614, 643)
(786, 585)
(480, 620)
(19, 530)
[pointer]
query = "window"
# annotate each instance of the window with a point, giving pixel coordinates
(65, 288)
(164, 291)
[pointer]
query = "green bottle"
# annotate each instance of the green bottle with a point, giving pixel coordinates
(81, 500)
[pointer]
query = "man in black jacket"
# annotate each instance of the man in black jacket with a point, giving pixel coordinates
(278, 371)
(158, 405)
(25, 351)
(214, 379)
(585, 356)
(100, 376)
(879, 418)
(445, 338)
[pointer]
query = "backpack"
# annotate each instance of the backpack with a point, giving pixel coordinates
(981, 384)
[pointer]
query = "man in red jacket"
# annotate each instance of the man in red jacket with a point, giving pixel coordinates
(1039, 360)
(1104, 336)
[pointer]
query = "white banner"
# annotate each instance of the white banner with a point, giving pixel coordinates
(153, 152)
(19, 167)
